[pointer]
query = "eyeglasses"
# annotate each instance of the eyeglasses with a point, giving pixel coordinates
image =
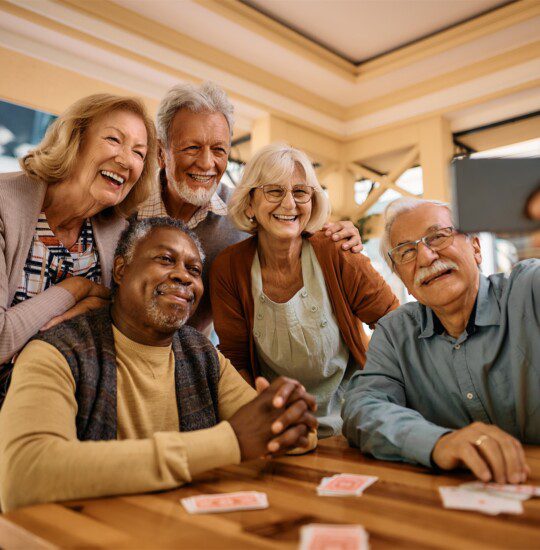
(435, 240)
(276, 193)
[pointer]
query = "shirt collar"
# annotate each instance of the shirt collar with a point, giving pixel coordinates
(155, 207)
(486, 312)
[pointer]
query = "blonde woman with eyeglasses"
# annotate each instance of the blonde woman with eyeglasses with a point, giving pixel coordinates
(288, 301)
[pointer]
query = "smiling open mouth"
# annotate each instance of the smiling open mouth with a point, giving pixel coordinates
(202, 178)
(115, 179)
(284, 218)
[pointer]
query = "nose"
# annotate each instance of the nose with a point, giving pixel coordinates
(425, 256)
(205, 159)
(181, 276)
(287, 201)
(123, 157)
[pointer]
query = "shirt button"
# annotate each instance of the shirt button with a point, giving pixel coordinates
(303, 293)
(256, 334)
(259, 315)
(261, 298)
(324, 323)
(457, 346)
(470, 395)
(314, 308)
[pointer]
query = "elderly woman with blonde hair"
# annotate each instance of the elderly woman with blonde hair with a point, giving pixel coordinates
(288, 301)
(61, 216)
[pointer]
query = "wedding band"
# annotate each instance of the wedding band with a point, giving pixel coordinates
(481, 440)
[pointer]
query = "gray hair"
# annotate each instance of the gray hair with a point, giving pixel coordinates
(395, 209)
(275, 163)
(138, 230)
(206, 98)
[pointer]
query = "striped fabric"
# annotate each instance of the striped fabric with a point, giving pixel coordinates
(49, 262)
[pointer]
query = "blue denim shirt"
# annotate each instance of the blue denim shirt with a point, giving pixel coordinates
(418, 384)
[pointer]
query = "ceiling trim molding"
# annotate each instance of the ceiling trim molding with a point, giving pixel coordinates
(461, 33)
(500, 18)
(117, 16)
(463, 74)
(254, 20)
(393, 126)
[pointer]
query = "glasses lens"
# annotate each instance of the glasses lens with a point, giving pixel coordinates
(273, 193)
(440, 238)
(404, 253)
(302, 193)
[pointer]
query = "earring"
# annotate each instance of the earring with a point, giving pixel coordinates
(252, 219)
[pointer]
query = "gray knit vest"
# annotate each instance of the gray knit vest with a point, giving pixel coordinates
(87, 343)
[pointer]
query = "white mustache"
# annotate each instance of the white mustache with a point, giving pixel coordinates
(438, 266)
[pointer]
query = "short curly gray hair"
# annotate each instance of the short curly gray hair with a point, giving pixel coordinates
(206, 98)
(138, 229)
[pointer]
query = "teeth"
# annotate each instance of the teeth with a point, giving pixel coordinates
(201, 178)
(285, 218)
(113, 176)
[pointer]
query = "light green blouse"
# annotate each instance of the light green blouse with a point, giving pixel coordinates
(301, 339)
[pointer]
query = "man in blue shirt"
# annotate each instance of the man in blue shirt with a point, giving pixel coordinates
(453, 379)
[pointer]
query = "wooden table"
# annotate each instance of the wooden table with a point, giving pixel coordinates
(401, 510)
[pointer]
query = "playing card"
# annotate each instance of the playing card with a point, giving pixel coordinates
(225, 502)
(516, 492)
(463, 499)
(345, 485)
(319, 536)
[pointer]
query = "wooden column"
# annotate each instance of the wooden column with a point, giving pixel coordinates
(436, 151)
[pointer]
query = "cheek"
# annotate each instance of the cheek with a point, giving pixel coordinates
(221, 164)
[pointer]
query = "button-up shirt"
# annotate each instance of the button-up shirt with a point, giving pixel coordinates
(154, 207)
(419, 383)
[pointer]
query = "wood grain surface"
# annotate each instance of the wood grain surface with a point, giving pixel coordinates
(401, 510)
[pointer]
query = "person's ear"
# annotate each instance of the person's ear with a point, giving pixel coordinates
(119, 267)
(161, 155)
(477, 251)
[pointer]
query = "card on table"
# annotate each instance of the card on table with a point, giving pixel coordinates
(463, 499)
(225, 502)
(320, 536)
(345, 485)
(519, 492)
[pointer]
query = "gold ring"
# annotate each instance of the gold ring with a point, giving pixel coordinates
(481, 440)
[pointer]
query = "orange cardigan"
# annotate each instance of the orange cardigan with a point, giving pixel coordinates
(356, 291)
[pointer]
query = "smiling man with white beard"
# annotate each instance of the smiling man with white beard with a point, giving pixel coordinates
(450, 380)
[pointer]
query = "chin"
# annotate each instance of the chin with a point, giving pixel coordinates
(166, 321)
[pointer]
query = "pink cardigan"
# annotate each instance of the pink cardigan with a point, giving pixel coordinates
(21, 199)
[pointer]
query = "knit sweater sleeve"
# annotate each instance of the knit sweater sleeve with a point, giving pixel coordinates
(231, 320)
(19, 323)
(42, 459)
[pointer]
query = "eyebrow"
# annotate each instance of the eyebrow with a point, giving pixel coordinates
(144, 145)
(428, 230)
(163, 247)
(183, 142)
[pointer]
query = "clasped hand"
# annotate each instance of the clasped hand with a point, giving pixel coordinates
(277, 420)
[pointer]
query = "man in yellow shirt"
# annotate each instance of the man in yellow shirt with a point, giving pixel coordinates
(130, 399)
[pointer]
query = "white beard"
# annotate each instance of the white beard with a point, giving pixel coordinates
(196, 197)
